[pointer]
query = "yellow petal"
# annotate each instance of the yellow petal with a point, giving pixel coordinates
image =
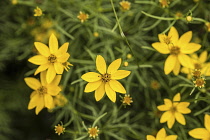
(163, 108)
(168, 103)
(56, 80)
(48, 100)
(173, 34)
(170, 64)
(185, 61)
(150, 137)
(53, 90)
(91, 77)
(42, 49)
(184, 39)
(100, 91)
(63, 49)
(120, 74)
(177, 97)
(110, 93)
(180, 118)
(117, 86)
(190, 48)
(53, 44)
(40, 105)
(182, 108)
(165, 117)
(58, 68)
(50, 74)
(92, 86)
(63, 58)
(114, 66)
(177, 67)
(207, 122)
(161, 47)
(34, 101)
(171, 122)
(41, 68)
(38, 60)
(33, 93)
(100, 64)
(32, 83)
(161, 134)
(161, 38)
(171, 137)
(43, 78)
(203, 57)
(185, 70)
(199, 133)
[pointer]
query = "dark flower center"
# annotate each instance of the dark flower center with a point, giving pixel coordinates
(106, 77)
(42, 90)
(52, 58)
(174, 50)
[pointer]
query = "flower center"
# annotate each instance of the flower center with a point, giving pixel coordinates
(173, 109)
(52, 58)
(174, 50)
(93, 132)
(199, 82)
(197, 66)
(196, 73)
(127, 100)
(42, 90)
(106, 77)
(167, 39)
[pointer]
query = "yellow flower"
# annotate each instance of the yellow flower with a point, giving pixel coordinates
(164, 3)
(125, 5)
(50, 58)
(93, 132)
(59, 129)
(37, 12)
(155, 85)
(82, 16)
(59, 100)
(129, 56)
(125, 63)
(198, 64)
(202, 133)
(207, 26)
(189, 18)
(42, 95)
(106, 81)
(174, 110)
(199, 82)
(14, 2)
(127, 100)
(161, 135)
(177, 48)
(96, 34)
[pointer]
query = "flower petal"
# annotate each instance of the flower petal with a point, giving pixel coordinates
(110, 92)
(150, 137)
(182, 108)
(34, 101)
(50, 74)
(207, 122)
(53, 44)
(171, 137)
(42, 49)
(56, 80)
(168, 103)
(180, 118)
(58, 67)
(185, 61)
(40, 105)
(177, 67)
(165, 117)
(101, 64)
(41, 68)
(48, 100)
(100, 91)
(190, 48)
(63, 58)
(38, 60)
(117, 86)
(170, 64)
(53, 90)
(92, 86)
(161, 47)
(120, 74)
(63, 49)
(163, 107)
(91, 77)
(173, 34)
(171, 122)
(114, 66)
(161, 134)
(199, 133)
(177, 97)
(203, 57)
(33, 83)
(184, 39)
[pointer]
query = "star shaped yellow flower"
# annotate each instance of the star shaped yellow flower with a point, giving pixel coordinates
(106, 81)
(37, 12)
(199, 63)
(42, 95)
(174, 110)
(50, 58)
(202, 133)
(161, 135)
(177, 48)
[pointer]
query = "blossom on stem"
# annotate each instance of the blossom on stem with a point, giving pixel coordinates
(161, 135)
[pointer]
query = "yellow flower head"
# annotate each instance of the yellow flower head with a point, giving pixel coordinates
(59, 129)
(161, 135)
(42, 95)
(125, 5)
(14, 2)
(126, 63)
(189, 18)
(82, 16)
(129, 56)
(207, 26)
(93, 132)
(155, 85)
(106, 81)
(199, 65)
(50, 59)
(199, 82)
(174, 110)
(96, 34)
(202, 133)
(37, 12)
(178, 48)
(127, 100)
(164, 3)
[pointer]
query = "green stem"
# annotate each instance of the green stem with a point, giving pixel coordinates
(157, 17)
